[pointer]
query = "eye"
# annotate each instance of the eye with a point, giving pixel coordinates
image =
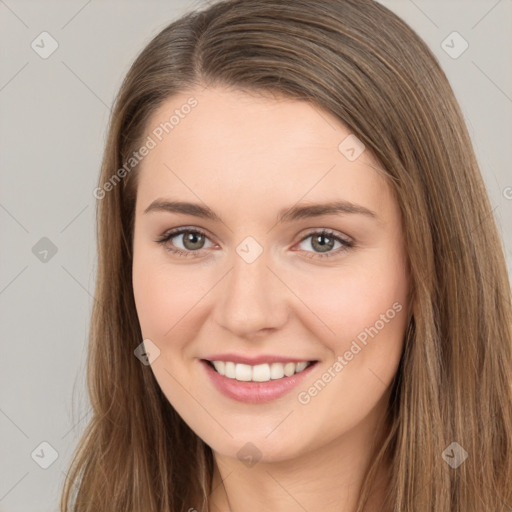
(323, 241)
(192, 241)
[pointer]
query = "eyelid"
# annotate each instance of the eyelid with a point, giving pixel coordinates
(174, 232)
(346, 241)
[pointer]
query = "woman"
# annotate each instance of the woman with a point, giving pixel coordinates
(302, 299)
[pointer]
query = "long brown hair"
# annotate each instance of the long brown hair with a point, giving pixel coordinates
(359, 61)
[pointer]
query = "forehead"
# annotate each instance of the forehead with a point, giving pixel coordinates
(249, 148)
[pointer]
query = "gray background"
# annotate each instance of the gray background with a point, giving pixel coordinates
(54, 113)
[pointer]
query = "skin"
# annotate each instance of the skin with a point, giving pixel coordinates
(246, 157)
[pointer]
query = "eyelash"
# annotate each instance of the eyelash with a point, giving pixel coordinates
(166, 237)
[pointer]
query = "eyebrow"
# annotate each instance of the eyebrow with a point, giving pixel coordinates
(289, 214)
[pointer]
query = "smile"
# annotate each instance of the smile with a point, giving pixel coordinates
(256, 384)
(260, 372)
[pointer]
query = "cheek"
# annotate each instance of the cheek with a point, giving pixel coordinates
(162, 295)
(352, 298)
(366, 307)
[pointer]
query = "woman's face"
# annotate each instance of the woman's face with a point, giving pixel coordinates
(254, 181)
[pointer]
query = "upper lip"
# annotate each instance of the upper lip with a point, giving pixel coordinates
(254, 360)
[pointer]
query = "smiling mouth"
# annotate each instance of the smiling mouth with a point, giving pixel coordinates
(258, 373)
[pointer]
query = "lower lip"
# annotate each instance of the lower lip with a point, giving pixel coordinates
(255, 392)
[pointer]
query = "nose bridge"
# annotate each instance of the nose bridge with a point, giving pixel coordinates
(252, 299)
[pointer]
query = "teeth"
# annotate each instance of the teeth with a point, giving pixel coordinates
(220, 366)
(301, 366)
(276, 371)
(229, 369)
(259, 372)
(289, 369)
(243, 372)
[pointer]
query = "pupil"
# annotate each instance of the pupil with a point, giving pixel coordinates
(189, 238)
(324, 247)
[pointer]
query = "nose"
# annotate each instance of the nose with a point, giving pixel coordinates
(252, 300)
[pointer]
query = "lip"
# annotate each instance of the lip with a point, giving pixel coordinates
(261, 359)
(255, 392)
